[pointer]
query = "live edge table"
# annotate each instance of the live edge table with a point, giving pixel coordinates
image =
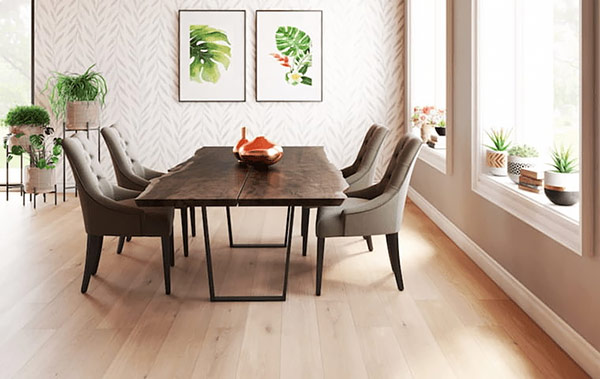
(213, 178)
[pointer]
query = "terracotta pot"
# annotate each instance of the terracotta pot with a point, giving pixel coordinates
(39, 180)
(496, 162)
(516, 164)
(561, 188)
(82, 114)
(240, 143)
(261, 152)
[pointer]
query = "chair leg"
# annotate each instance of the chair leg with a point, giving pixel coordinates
(394, 253)
(320, 253)
(172, 249)
(92, 257)
(193, 220)
(128, 238)
(98, 253)
(120, 245)
(166, 253)
(369, 242)
(184, 231)
(305, 222)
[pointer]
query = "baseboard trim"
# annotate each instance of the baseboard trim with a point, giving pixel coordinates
(562, 333)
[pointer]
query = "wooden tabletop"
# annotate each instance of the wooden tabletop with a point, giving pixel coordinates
(212, 177)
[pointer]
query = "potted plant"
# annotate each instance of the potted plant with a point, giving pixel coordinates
(520, 157)
(40, 174)
(77, 98)
(495, 155)
(427, 119)
(24, 121)
(441, 128)
(561, 184)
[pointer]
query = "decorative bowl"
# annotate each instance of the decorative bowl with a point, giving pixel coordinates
(260, 152)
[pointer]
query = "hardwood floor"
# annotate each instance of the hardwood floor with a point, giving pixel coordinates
(451, 321)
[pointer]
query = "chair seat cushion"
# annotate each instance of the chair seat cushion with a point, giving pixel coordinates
(158, 221)
(330, 220)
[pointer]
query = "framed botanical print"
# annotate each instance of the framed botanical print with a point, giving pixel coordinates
(289, 55)
(212, 55)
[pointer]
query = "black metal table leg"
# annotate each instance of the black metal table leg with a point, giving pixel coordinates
(211, 284)
(250, 245)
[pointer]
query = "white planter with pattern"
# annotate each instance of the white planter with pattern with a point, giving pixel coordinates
(516, 164)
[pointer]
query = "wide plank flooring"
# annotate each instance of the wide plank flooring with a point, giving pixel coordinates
(451, 321)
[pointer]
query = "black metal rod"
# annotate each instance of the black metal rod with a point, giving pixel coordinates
(64, 130)
(211, 283)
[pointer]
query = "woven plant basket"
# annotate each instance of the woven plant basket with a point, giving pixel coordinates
(82, 114)
(39, 180)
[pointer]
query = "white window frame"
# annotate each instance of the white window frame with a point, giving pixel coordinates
(578, 237)
(438, 159)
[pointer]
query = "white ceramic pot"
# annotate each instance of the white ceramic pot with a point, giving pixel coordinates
(560, 188)
(496, 162)
(39, 180)
(516, 164)
(82, 114)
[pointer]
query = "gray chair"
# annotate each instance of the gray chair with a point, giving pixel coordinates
(109, 210)
(374, 210)
(132, 175)
(359, 175)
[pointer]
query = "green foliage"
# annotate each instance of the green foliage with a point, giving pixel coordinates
(523, 151)
(563, 160)
(65, 88)
(39, 154)
(295, 44)
(291, 40)
(27, 115)
(209, 47)
(499, 138)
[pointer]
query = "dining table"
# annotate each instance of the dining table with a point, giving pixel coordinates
(213, 177)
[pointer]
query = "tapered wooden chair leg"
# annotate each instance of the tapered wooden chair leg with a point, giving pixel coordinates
(172, 249)
(128, 239)
(193, 220)
(98, 249)
(91, 260)
(305, 222)
(120, 245)
(184, 230)
(320, 254)
(166, 253)
(369, 242)
(394, 253)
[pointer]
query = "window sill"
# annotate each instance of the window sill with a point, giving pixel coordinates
(557, 222)
(436, 158)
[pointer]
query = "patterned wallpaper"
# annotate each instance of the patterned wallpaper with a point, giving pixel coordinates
(134, 44)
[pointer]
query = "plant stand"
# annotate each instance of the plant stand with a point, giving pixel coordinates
(8, 185)
(65, 131)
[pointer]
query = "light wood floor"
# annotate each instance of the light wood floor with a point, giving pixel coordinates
(451, 321)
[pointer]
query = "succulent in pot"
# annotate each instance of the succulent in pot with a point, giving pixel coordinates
(441, 128)
(520, 157)
(561, 184)
(495, 155)
(77, 98)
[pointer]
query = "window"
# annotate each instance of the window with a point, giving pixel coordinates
(15, 66)
(528, 78)
(428, 84)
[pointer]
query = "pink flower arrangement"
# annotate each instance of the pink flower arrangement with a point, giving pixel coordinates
(428, 116)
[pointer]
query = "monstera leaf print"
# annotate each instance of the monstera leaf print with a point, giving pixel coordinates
(294, 47)
(209, 49)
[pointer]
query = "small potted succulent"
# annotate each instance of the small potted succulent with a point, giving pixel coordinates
(561, 184)
(441, 128)
(24, 121)
(520, 157)
(77, 98)
(495, 155)
(40, 175)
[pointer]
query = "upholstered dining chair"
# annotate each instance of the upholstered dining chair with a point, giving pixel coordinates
(374, 210)
(133, 175)
(358, 175)
(109, 210)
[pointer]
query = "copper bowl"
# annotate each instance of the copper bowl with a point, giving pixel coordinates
(260, 152)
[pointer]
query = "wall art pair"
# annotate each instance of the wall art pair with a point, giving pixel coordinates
(212, 55)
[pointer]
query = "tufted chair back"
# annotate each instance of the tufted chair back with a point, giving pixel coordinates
(362, 172)
(128, 170)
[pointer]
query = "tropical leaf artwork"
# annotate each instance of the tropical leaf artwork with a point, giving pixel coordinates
(294, 54)
(210, 50)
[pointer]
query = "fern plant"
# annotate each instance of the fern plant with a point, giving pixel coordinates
(65, 88)
(500, 139)
(563, 160)
(27, 115)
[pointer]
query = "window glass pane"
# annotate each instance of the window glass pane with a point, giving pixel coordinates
(428, 62)
(529, 71)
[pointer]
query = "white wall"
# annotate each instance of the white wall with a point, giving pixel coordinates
(134, 44)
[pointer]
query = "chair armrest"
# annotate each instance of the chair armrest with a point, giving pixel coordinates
(346, 172)
(370, 205)
(151, 174)
(120, 193)
(381, 215)
(365, 193)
